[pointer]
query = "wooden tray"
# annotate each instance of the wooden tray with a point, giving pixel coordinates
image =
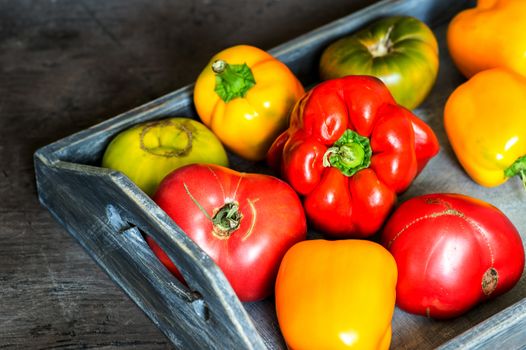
(106, 213)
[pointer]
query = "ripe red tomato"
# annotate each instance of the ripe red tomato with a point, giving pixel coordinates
(245, 222)
(452, 252)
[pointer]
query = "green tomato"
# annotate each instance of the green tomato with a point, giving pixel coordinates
(147, 152)
(401, 51)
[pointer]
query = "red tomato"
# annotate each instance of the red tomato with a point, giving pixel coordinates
(452, 252)
(245, 222)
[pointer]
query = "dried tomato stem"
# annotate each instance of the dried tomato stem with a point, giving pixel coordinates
(383, 46)
(227, 220)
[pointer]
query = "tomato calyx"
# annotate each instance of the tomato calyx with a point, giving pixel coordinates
(351, 153)
(226, 220)
(165, 147)
(382, 47)
(232, 80)
(518, 168)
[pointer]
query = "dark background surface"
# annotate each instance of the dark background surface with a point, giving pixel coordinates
(64, 66)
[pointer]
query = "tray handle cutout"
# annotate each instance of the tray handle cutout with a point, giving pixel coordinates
(136, 239)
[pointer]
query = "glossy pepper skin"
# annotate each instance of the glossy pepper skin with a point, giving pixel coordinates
(245, 96)
(485, 122)
(328, 298)
(488, 36)
(349, 150)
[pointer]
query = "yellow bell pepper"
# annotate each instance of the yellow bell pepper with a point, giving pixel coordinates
(245, 96)
(485, 121)
(336, 295)
(488, 36)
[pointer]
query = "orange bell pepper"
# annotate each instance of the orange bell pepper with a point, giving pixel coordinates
(336, 295)
(245, 95)
(485, 122)
(488, 36)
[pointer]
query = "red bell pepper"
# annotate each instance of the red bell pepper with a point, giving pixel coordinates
(349, 150)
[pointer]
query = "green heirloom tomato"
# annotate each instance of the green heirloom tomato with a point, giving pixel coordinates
(401, 51)
(147, 152)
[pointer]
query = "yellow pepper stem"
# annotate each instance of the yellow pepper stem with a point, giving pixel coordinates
(518, 168)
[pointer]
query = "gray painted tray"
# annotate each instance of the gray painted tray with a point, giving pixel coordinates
(106, 213)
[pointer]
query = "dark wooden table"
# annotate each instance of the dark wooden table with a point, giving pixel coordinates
(64, 66)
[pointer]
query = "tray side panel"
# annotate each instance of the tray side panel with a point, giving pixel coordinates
(508, 328)
(108, 225)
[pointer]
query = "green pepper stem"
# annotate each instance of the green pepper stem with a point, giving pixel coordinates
(232, 80)
(351, 153)
(518, 168)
